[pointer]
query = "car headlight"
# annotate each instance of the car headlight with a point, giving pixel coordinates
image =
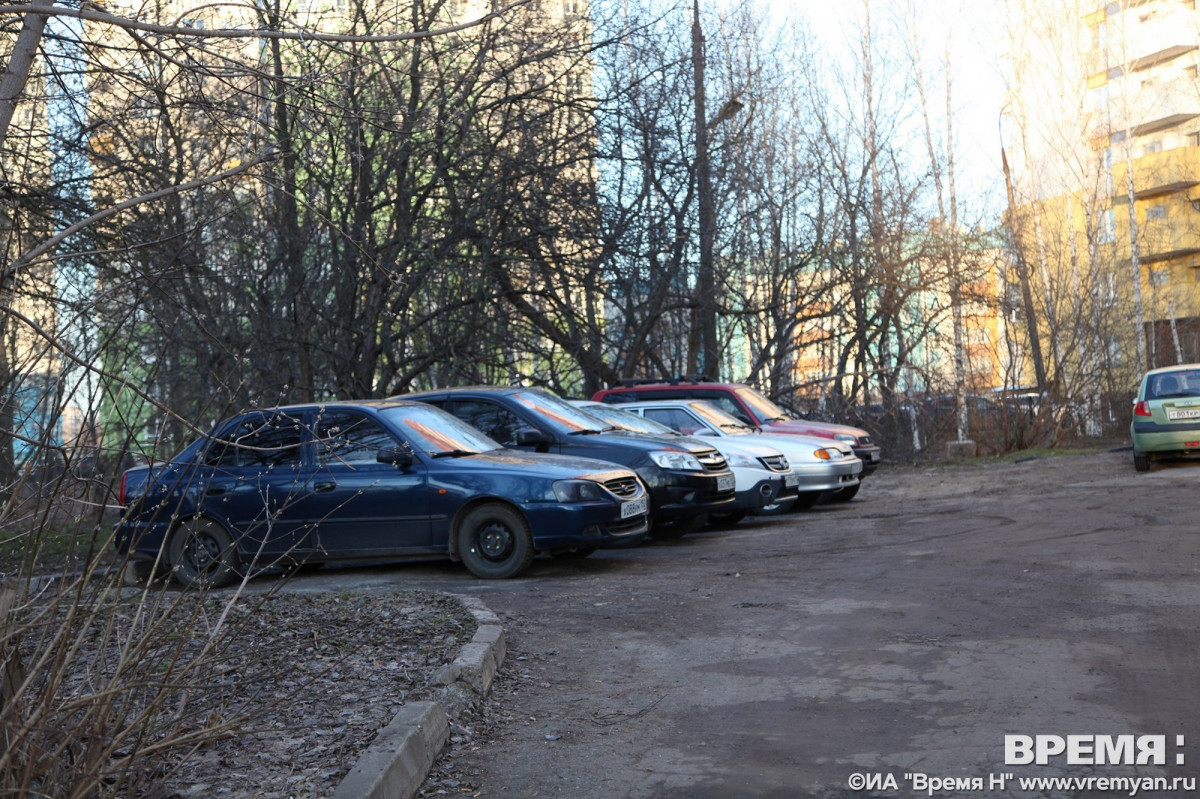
(827, 454)
(849, 439)
(739, 459)
(678, 461)
(577, 491)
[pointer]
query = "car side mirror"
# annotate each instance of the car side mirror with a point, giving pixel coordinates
(396, 456)
(530, 437)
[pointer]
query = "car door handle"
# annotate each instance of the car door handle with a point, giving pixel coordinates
(324, 486)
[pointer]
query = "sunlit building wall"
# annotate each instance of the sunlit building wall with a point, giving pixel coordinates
(1104, 123)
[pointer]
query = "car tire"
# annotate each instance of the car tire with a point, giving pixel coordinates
(844, 495)
(1141, 463)
(678, 527)
(202, 554)
(494, 542)
(727, 519)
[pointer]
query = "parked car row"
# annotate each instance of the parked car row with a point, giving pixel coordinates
(487, 476)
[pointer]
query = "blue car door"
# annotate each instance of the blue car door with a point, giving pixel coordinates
(359, 505)
(252, 479)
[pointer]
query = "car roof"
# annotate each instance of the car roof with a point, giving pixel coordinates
(1176, 368)
(464, 389)
(665, 402)
(375, 404)
(634, 386)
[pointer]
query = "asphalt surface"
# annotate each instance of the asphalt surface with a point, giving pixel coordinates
(880, 648)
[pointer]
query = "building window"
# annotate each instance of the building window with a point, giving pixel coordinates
(1107, 231)
(1192, 140)
(1152, 147)
(1159, 276)
(1156, 212)
(1108, 290)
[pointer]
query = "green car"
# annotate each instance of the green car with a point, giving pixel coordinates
(1166, 415)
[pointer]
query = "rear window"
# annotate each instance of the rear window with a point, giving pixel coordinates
(1180, 383)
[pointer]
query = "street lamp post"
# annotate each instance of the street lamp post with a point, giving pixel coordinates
(706, 295)
(706, 283)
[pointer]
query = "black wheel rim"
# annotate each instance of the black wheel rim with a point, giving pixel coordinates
(202, 552)
(494, 541)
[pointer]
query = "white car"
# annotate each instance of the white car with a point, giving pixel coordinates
(824, 467)
(765, 481)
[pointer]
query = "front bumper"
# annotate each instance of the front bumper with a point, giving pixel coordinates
(594, 524)
(829, 476)
(766, 492)
(688, 493)
(870, 457)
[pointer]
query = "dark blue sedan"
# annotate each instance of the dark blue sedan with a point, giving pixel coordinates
(367, 480)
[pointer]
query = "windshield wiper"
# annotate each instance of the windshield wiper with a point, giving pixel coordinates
(455, 453)
(590, 432)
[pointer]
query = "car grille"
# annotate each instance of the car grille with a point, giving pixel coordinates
(711, 460)
(864, 441)
(624, 486)
(776, 463)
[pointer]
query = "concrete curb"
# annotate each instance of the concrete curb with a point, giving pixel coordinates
(399, 759)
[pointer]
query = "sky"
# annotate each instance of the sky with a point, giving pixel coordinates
(975, 28)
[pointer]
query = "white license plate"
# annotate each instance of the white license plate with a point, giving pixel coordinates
(726, 483)
(791, 480)
(635, 507)
(1183, 413)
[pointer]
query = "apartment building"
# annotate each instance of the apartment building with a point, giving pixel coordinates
(1105, 118)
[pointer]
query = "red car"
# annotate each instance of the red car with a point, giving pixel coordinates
(746, 403)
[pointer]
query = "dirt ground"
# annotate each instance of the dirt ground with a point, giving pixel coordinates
(879, 648)
(857, 646)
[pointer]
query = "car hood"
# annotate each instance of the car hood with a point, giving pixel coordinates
(754, 446)
(798, 449)
(820, 429)
(545, 465)
(686, 443)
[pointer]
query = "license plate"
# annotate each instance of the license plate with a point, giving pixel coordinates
(1183, 413)
(726, 483)
(791, 480)
(635, 507)
(858, 467)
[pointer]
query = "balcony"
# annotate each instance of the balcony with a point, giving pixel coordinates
(1175, 236)
(1161, 173)
(1160, 57)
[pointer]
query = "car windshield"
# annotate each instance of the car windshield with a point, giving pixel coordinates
(435, 432)
(630, 421)
(1179, 383)
(717, 418)
(557, 413)
(763, 409)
